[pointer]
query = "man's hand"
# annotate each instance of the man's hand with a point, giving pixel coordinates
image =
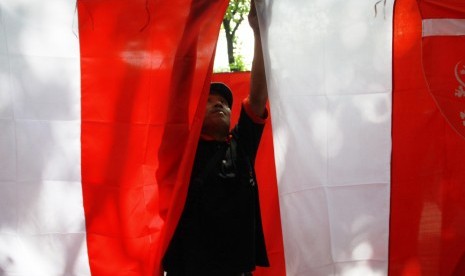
(253, 18)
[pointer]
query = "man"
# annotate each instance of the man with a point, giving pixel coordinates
(220, 231)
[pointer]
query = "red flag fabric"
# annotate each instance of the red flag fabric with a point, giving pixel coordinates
(427, 227)
(145, 68)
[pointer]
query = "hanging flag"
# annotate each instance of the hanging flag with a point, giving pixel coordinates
(344, 202)
(42, 224)
(99, 119)
(329, 72)
(101, 104)
(427, 234)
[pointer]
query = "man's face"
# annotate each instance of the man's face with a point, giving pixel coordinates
(217, 113)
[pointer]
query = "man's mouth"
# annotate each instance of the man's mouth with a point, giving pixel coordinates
(220, 111)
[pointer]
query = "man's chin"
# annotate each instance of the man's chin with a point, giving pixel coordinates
(217, 121)
(220, 118)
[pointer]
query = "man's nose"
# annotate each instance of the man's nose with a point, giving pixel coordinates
(219, 104)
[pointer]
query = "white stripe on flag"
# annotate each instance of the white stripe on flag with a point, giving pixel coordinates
(443, 27)
(42, 226)
(329, 77)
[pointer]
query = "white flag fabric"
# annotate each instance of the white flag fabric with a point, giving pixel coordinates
(330, 94)
(42, 225)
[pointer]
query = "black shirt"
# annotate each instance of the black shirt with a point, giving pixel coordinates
(220, 230)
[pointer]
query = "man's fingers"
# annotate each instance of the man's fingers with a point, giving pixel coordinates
(253, 20)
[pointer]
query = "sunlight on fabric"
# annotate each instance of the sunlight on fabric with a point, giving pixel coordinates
(329, 76)
(30, 255)
(362, 251)
(140, 58)
(376, 109)
(360, 268)
(41, 30)
(43, 231)
(324, 125)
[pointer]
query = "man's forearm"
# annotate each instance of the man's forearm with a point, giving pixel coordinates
(258, 87)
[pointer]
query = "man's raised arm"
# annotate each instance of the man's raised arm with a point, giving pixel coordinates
(258, 88)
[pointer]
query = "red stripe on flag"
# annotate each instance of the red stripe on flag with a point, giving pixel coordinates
(427, 229)
(145, 68)
(442, 9)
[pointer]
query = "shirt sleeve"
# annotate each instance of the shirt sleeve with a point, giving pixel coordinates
(255, 118)
(248, 130)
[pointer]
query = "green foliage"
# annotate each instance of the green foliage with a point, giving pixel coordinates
(238, 64)
(235, 14)
(237, 10)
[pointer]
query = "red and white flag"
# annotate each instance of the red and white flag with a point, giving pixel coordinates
(98, 106)
(101, 104)
(427, 234)
(330, 87)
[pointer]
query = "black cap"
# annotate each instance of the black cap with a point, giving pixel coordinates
(222, 90)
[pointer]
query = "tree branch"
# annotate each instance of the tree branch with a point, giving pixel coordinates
(237, 25)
